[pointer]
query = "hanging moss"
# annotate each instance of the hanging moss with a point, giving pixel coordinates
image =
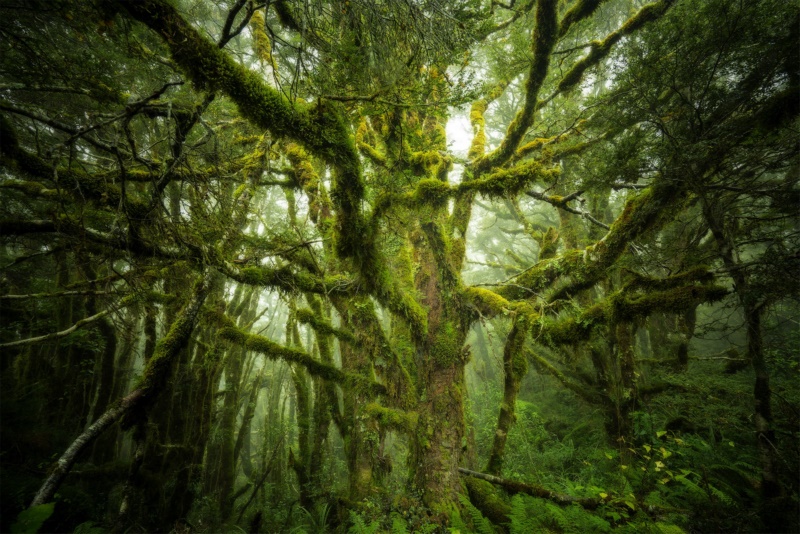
(261, 44)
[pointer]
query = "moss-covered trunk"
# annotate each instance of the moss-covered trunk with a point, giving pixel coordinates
(437, 443)
(436, 446)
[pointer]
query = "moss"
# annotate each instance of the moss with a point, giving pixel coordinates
(548, 243)
(321, 129)
(600, 49)
(484, 497)
(391, 419)
(262, 46)
(446, 346)
(431, 191)
(487, 302)
(307, 316)
(275, 351)
(286, 278)
(579, 11)
(510, 181)
(544, 38)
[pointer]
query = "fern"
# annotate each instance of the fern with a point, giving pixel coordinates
(537, 515)
(668, 528)
(480, 524)
(360, 526)
(399, 525)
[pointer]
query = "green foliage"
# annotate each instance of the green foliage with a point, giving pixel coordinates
(529, 514)
(29, 521)
(480, 524)
(359, 526)
(315, 520)
(89, 527)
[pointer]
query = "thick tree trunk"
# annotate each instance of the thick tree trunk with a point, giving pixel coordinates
(436, 446)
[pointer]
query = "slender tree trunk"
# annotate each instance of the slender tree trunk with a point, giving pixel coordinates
(132, 407)
(770, 484)
(515, 366)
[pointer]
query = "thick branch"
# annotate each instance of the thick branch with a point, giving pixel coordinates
(155, 375)
(544, 38)
(322, 131)
(275, 351)
(512, 486)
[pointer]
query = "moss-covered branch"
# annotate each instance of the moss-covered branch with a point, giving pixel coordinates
(288, 279)
(624, 307)
(579, 11)
(321, 130)
(599, 50)
(485, 301)
(543, 365)
(584, 268)
(544, 38)
(307, 316)
(512, 486)
(276, 351)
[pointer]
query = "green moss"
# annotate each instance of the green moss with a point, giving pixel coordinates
(510, 181)
(391, 419)
(487, 302)
(431, 191)
(275, 351)
(484, 497)
(321, 129)
(307, 316)
(446, 346)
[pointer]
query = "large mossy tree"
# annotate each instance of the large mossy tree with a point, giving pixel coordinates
(175, 173)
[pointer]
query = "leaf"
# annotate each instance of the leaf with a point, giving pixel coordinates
(32, 519)
(603, 495)
(730, 443)
(631, 505)
(660, 433)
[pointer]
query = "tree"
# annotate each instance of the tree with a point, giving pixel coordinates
(185, 160)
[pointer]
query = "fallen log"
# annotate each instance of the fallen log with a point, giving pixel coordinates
(512, 486)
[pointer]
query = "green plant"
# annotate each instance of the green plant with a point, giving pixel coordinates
(32, 519)
(360, 526)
